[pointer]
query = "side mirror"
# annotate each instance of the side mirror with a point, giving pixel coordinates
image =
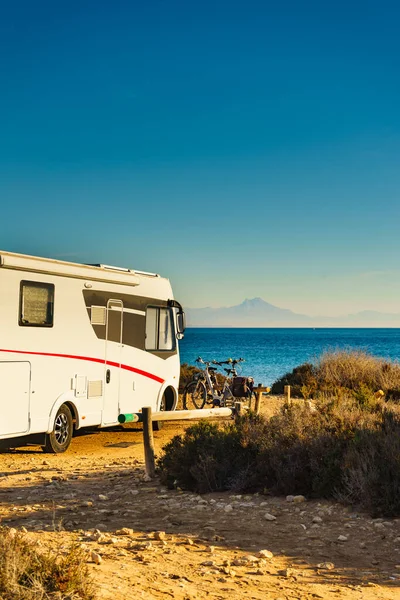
(181, 322)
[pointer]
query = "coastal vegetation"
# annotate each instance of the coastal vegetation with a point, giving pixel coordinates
(346, 445)
(342, 371)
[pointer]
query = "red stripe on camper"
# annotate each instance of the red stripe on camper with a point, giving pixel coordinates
(90, 359)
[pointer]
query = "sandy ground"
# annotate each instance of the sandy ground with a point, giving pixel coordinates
(96, 495)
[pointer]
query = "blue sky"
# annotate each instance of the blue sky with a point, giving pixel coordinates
(240, 148)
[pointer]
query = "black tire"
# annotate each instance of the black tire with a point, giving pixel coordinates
(157, 425)
(194, 395)
(59, 439)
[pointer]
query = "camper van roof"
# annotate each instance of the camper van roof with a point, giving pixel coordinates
(124, 270)
(98, 272)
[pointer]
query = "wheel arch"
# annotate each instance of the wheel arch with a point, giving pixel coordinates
(72, 407)
(171, 396)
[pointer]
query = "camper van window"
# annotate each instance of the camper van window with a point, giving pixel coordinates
(36, 304)
(159, 329)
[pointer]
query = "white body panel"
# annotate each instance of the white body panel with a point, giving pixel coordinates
(99, 377)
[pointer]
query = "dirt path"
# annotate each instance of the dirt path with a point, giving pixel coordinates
(96, 495)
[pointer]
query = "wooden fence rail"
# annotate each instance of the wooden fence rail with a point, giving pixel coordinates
(177, 415)
(146, 416)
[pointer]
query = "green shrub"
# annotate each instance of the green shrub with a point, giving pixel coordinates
(349, 448)
(200, 459)
(29, 573)
(301, 377)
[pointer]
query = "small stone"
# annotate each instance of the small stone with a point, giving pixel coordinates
(208, 563)
(326, 565)
(189, 542)
(102, 497)
(238, 562)
(290, 498)
(96, 558)
(159, 535)
(265, 554)
(124, 531)
(342, 538)
(317, 520)
(251, 559)
(211, 549)
(287, 572)
(147, 546)
(228, 508)
(269, 517)
(298, 499)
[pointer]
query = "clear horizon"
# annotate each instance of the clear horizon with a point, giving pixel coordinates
(240, 149)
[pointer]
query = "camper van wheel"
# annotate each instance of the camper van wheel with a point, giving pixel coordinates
(60, 438)
(157, 425)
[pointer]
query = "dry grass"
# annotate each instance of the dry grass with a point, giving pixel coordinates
(341, 372)
(350, 369)
(29, 573)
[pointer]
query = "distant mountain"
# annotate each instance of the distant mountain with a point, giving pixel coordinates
(256, 312)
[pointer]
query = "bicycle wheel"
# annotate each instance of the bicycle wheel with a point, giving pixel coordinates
(195, 395)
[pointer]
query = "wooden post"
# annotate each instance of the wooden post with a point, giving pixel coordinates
(287, 394)
(148, 442)
(238, 409)
(258, 398)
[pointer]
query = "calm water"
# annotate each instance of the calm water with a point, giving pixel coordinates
(269, 353)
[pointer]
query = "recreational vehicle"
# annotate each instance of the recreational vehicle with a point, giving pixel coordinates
(81, 344)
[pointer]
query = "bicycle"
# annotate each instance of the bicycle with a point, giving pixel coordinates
(203, 389)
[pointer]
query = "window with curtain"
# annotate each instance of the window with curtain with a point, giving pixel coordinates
(159, 329)
(36, 304)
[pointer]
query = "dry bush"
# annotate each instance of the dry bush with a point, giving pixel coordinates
(29, 573)
(351, 369)
(341, 372)
(372, 475)
(188, 373)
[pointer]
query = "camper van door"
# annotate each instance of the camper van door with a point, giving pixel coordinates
(14, 397)
(114, 328)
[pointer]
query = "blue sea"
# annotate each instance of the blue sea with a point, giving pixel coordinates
(270, 353)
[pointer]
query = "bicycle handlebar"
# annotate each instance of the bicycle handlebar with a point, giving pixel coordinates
(230, 361)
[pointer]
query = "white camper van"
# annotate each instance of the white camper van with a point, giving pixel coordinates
(81, 344)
